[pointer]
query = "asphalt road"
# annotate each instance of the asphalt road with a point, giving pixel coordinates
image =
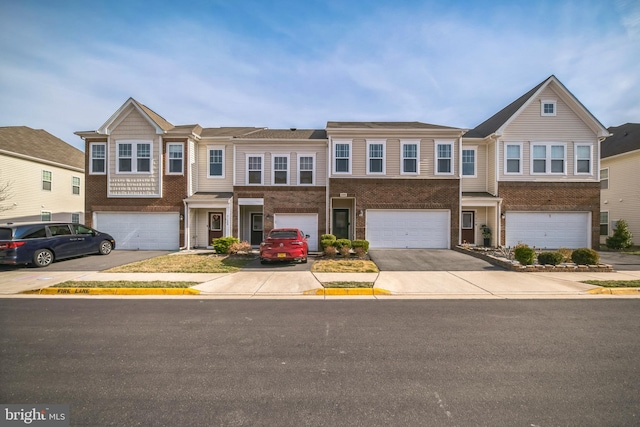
(344, 362)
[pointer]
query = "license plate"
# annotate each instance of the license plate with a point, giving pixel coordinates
(281, 255)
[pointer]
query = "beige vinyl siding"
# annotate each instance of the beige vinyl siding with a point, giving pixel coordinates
(192, 166)
(211, 184)
(622, 199)
(491, 168)
(479, 183)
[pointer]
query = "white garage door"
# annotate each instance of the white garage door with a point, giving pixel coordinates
(305, 222)
(550, 230)
(144, 231)
(408, 229)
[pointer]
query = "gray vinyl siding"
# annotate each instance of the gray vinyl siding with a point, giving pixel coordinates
(214, 184)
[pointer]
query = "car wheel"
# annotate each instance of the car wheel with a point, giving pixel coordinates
(304, 260)
(105, 247)
(42, 258)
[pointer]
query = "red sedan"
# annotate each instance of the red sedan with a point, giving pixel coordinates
(284, 244)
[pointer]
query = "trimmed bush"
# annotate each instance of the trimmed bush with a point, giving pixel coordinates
(585, 256)
(244, 247)
(327, 243)
(524, 254)
(328, 237)
(340, 243)
(550, 258)
(364, 244)
(566, 254)
(360, 252)
(222, 244)
(621, 238)
(330, 252)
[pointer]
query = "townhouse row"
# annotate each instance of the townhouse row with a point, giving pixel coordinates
(530, 173)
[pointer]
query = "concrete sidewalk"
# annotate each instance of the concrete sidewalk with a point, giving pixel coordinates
(276, 284)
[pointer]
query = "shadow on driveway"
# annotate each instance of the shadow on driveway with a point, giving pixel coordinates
(93, 262)
(427, 260)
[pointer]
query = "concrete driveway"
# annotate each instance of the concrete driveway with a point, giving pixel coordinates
(93, 262)
(427, 260)
(621, 262)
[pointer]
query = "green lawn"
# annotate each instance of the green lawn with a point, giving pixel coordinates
(614, 283)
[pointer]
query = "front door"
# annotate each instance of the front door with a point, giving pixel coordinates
(256, 229)
(216, 223)
(341, 223)
(468, 227)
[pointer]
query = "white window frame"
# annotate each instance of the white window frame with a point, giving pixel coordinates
(222, 150)
(506, 159)
(74, 186)
(134, 156)
(74, 216)
(92, 158)
(437, 157)
(48, 213)
(604, 223)
(383, 158)
(43, 180)
(548, 158)
(575, 165)
(475, 162)
(544, 102)
(404, 142)
(335, 158)
(273, 168)
(605, 179)
(169, 158)
(313, 165)
(249, 156)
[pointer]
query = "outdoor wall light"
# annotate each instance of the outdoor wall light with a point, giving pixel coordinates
(268, 216)
(503, 216)
(181, 218)
(360, 212)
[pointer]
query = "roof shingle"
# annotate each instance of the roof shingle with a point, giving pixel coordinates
(40, 144)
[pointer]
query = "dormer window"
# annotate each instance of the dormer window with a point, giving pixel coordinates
(548, 107)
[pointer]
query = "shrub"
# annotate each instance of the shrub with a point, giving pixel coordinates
(550, 258)
(360, 252)
(585, 256)
(621, 238)
(327, 243)
(236, 247)
(524, 254)
(566, 254)
(330, 252)
(364, 244)
(222, 244)
(345, 251)
(328, 237)
(342, 242)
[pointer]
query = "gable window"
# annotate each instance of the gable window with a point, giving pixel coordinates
(375, 157)
(444, 158)
(342, 157)
(46, 180)
(281, 170)
(216, 163)
(134, 157)
(604, 179)
(305, 169)
(98, 158)
(410, 151)
(604, 223)
(469, 162)
(548, 107)
(548, 158)
(513, 159)
(75, 185)
(254, 169)
(583, 159)
(175, 157)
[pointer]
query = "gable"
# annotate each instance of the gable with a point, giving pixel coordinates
(132, 124)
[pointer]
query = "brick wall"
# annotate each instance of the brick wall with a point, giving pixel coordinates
(400, 194)
(554, 197)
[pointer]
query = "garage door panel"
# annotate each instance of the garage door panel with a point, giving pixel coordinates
(141, 231)
(407, 229)
(308, 223)
(550, 230)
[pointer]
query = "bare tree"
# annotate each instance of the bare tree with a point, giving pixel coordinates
(5, 195)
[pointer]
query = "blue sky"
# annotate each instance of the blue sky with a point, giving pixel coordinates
(68, 65)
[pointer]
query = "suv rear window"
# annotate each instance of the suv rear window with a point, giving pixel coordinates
(5, 234)
(283, 235)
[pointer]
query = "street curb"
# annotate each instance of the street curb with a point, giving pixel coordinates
(614, 291)
(347, 291)
(114, 291)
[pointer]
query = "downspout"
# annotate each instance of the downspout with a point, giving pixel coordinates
(327, 198)
(187, 234)
(459, 231)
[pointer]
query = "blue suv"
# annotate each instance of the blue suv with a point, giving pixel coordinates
(40, 243)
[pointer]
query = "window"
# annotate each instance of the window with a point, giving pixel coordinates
(604, 223)
(45, 216)
(75, 185)
(98, 158)
(124, 158)
(75, 219)
(604, 179)
(143, 152)
(410, 152)
(342, 157)
(548, 107)
(280, 170)
(583, 159)
(175, 156)
(375, 157)
(469, 162)
(254, 169)
(444, 158)
(134, 157)
(513, 159)
(46, 180)
(216, 163)
(305, 169)
(548, 158)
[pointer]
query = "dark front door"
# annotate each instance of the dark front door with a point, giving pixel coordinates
(216, 225)
(468, 227)
(341, 223)
(256, 229)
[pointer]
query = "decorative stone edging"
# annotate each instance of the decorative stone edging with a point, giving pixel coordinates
(515, 266)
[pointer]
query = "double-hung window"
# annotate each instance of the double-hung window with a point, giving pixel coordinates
(175, 158)
(342, 157)
(280, 170)
(306, 167)
(513, 159)
(444, 158)
(134, 157)
(47, 177)
(254, 169)
(469, 162)
(375, 157)
(410, 153)
(604, 223)
(216, 162)
(548, 159)
(583, 159)
(98, 154)
(75, 185)
(143, 157)
(604, 179)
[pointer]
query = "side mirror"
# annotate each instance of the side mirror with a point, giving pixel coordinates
(306, 236)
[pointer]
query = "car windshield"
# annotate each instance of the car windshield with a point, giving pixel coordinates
(285, 234)
(5, 234)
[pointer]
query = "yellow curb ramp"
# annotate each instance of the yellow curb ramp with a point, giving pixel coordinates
(114, 291)
(614, 291)
(347, 291)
